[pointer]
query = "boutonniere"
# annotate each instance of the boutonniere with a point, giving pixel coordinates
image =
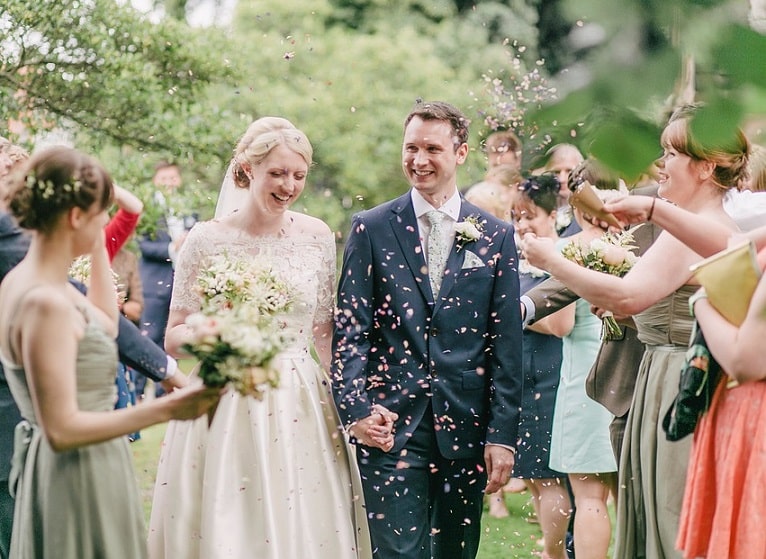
(563, 218)
(468, 231)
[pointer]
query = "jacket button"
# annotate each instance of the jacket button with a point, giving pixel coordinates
(434, 332)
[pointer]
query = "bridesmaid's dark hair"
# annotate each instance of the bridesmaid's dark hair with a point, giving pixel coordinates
(540, 190)
(52, 182)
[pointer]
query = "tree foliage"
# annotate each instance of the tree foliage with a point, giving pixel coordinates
(102, 68)
(637, 73)
(348, 71)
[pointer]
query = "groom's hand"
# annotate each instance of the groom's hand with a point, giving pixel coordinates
(377, 429)
(499, 461)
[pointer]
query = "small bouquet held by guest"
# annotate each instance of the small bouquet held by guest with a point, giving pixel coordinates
(237, 332)
(611, 254)
(79, 270)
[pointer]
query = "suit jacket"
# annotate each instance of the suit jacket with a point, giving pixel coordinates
(156, 269)
(612, 378)
(398, 345)
(135, 349)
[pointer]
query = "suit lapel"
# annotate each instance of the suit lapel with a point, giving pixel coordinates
(405, 227)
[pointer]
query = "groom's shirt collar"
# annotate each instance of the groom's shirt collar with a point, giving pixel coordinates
(451, 207)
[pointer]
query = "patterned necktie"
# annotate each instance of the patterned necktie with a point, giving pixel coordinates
(437, 250)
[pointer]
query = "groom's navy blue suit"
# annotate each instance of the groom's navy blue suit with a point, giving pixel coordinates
(449, 365)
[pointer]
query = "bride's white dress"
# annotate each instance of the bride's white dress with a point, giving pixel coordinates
(269, 478)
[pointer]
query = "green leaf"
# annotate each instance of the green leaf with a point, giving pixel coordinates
(717, 122)
(627, 145)
(740, 54)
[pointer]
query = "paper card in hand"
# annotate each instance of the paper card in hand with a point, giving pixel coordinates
(730, 278)
(586, 199)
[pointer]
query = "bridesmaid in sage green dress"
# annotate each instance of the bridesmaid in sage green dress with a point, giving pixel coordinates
(652, 471)
(76, 495)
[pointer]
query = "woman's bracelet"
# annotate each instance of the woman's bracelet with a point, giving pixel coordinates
(700, 294)
(651, 209)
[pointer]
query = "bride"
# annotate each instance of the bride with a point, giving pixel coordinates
(266, 478)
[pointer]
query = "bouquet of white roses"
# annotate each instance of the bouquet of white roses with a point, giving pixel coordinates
(611, 254)
(237, 332)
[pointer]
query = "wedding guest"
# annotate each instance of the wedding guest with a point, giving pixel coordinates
(9, 413)
(59, 358)
(136, 350)
(491, 197)
(725, 491)
(561, 159)
(266, 478)
(612, 378)
(130, 300)
(496, 195)
(694, 176)
(580, 444)
(757, 170)
(123, 223)
(428, 330)
(535, 212)
(158, 251)
(503, 147)
(118, 230)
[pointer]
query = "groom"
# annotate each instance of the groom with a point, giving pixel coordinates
(428, 344)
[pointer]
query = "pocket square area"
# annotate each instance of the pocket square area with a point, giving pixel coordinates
(472, 261)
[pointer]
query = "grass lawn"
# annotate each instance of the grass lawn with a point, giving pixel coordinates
(507, 538)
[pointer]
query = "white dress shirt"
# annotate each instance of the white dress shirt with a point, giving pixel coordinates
(451, 208)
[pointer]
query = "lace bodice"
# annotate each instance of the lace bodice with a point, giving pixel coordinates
(306, 263)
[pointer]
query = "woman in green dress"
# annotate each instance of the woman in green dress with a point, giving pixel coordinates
(76, 495)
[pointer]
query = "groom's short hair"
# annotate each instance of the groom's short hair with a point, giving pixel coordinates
(439, 110)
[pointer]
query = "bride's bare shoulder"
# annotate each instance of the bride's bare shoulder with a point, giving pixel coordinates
(308, 225)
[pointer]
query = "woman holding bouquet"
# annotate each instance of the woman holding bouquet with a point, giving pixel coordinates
(655, 292)
(269, 477)
(535, 212)
(579, 441)
(72, 474)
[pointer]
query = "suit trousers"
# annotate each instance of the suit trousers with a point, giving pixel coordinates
(421, 505)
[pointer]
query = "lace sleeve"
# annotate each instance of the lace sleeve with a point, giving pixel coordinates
(188, 264)
(326, 291)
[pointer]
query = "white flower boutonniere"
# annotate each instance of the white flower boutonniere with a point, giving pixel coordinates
(468, 230)
(563, 218)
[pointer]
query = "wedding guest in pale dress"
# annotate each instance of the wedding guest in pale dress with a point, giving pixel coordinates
(72, 475)
(266, 478)
(655, 291)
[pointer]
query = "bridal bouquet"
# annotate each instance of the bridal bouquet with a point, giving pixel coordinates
(237, 332)
(611, 254)
(227, 283)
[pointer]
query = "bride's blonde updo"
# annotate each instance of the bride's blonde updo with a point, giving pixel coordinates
(262, 136)
(730, 157)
